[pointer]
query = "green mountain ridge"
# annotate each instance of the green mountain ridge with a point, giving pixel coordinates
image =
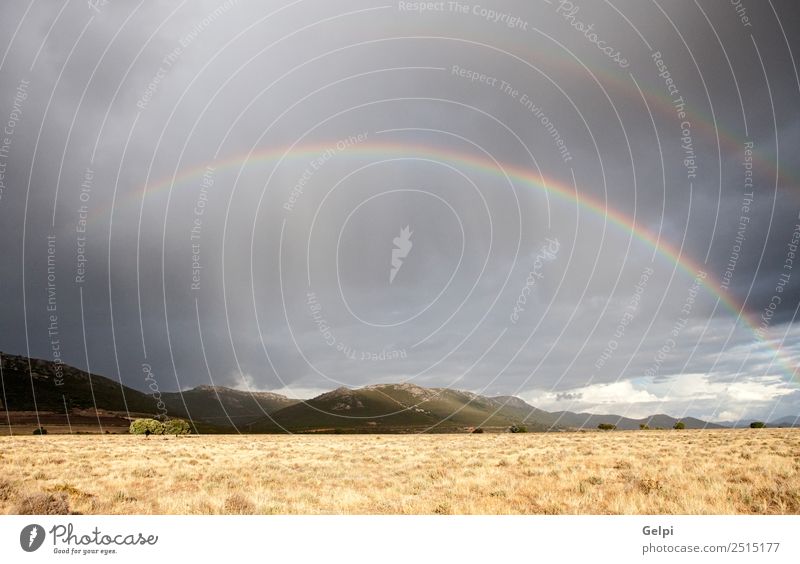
(393, 407)
(219, 405)
(406, 407)
(60, 386)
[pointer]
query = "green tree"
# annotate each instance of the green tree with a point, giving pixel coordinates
(518, 429)
(40, 431)
(146, 427)
(644, 426)
(606, 426)
(176, 427)
(679, 425)
(757, 425)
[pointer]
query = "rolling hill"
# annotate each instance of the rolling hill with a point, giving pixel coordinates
(59, 387)
(788, 421)
(73, 394)
(407, 407)
(660, 421)
(62, 389)
(223, 406)
(394, 408)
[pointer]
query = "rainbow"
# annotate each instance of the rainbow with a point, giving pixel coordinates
(549, 186)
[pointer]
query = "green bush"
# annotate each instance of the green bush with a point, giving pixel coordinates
(757, 425)
(142, 426)
(477, 430)
(40, 431)
(176, 427)
(679, 425)
(644, 426)
(606, 427)
(518, 429)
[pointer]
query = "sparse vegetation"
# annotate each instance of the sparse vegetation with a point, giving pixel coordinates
(6, 490)
(518, 429)
(680, 425)
(606, 426)
(42, 504)
(644, 426)
(238, 504)
(40, 431)
(624, 472)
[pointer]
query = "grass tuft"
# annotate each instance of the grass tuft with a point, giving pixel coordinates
(43, 504)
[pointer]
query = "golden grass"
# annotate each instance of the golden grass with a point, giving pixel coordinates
(661, 472)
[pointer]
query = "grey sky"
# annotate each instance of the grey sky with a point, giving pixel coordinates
(331, 126)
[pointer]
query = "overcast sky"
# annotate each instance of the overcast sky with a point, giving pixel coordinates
(600, 198)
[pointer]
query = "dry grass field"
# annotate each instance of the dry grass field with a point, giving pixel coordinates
(661, 472)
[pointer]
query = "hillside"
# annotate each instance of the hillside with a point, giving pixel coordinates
(788, 421)
(225, 406)
(660, 421)
(60, 387)
(71, 395)
(392, 408)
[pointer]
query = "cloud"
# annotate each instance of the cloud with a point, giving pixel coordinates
(244, 382)
(299, 393)
(680, 395)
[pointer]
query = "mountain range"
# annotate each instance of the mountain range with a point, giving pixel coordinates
(66, 397)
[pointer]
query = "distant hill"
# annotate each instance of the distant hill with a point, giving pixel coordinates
(788, 421)
(407, 407)
(61, 389)
(225, 406)
(64, 391)
(660, 421)
(60, 386)
(782, 422)
(393, 408)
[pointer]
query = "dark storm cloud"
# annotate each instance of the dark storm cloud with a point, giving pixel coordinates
(187, 86)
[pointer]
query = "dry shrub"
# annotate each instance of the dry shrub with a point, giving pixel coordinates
(70, 490)
(6, 490)
(124, 497)
(778, 498)
(648, 485)
(43, 504)
(442, 508)
(237, 504)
